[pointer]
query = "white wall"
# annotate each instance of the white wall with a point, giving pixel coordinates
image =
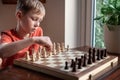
(72, 23)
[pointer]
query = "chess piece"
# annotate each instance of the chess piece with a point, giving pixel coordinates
(49, 53)
(79, 63)
(62, 47)
(90, 57)
(54, 48)
(33, 55)
(38, 54)
(58, 48)
(71, 63)
(94, 55)
(74, 67)
(76, 60)
(98, 54)
(44, 53)
(66, 65)
(101, 54)
(85, 60)
(27, 56)
(105, 52)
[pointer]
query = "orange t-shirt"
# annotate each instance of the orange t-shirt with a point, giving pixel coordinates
(10, 36)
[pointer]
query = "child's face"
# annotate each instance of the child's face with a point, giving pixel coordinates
(30, 21)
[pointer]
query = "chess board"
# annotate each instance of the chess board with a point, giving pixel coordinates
(55, 66)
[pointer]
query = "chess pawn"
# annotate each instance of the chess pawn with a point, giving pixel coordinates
(66, 65)
(27, 56)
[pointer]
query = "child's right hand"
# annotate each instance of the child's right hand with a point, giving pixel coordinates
(44, 41)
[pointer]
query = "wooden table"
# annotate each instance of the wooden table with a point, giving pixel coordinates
(19, 73)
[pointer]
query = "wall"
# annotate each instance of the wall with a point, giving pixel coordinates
(72, 23)
(53, 23)
(7, 16)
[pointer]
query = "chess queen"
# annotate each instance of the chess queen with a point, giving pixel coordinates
(27, 34)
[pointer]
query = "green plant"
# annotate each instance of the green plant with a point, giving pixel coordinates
(110, 13)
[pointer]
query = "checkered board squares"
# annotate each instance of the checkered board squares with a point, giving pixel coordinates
(54, 65)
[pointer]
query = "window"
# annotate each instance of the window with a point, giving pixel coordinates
(92, 30)
(98, 40)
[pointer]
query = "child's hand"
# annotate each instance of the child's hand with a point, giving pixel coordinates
(43, 40)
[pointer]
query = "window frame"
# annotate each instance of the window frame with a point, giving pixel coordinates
(87, 23)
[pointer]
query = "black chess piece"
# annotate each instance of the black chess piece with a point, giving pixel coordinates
(105, 52)
(98, 54)
(66, 65)
(76, 60)
(102, 54)
(94, 55)
(71, 63)
(79, 63)
(74, 67)
(90, 58)
(85, 60)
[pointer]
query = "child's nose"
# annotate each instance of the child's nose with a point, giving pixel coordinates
(37, 24)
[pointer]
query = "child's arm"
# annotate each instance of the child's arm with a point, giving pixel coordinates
(9, 49)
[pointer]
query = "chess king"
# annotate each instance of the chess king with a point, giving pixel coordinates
(27, 34)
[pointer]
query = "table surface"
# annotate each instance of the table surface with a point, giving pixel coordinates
(19, 73)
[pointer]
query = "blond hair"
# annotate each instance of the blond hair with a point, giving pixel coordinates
(28, 5)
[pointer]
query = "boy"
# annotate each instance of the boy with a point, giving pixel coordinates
(27, 35)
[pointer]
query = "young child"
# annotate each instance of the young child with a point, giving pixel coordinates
(27, 35)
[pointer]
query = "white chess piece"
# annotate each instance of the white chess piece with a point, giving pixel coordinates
(27, 56)
(33, 56)
(54, 49)
(58, 48)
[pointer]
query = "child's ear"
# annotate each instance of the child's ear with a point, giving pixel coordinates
(18, 14)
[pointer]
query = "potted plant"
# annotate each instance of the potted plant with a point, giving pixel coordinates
(110, 18)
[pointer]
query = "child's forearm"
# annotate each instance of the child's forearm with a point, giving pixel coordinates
(9, 49)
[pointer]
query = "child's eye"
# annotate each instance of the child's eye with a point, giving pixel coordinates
(34, 19)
